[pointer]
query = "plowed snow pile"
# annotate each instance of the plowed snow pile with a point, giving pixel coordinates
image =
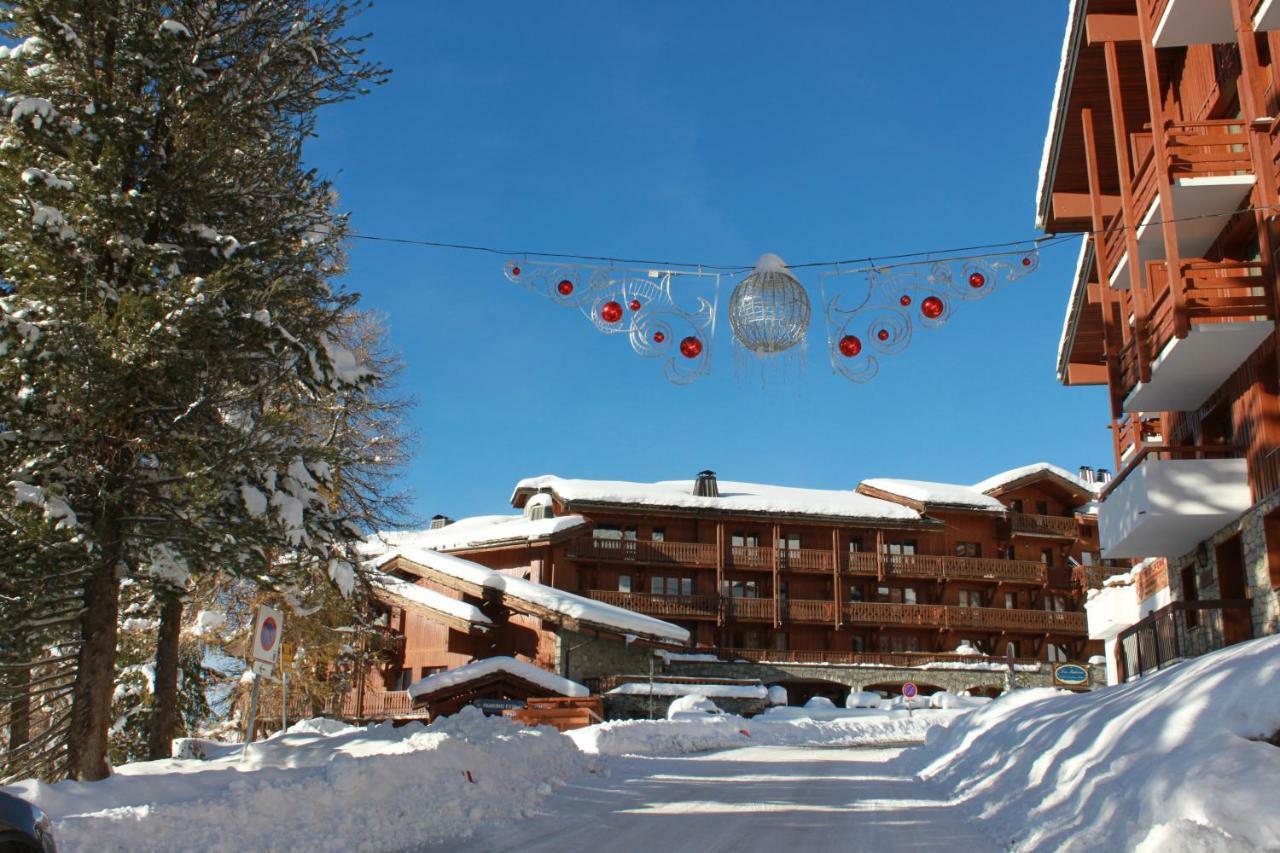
(1169, 762)
(317, 788)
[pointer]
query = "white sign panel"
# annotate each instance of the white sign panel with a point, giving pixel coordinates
(268, 629)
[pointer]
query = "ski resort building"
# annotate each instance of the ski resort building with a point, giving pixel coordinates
(1163, 145)
(877, 580)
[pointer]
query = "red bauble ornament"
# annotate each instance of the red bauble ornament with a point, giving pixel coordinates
(904, 300)
(659, 337)
(1026, 262)
(691, 347)
(931, 307)
(883, 334)
(515, 270)
(977, 279)
(611, 312)
(850, 345)
(634, 305)
(565, 287)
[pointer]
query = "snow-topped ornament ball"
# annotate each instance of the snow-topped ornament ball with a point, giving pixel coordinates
(769, 309)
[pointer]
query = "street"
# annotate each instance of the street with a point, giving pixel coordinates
(759, 798)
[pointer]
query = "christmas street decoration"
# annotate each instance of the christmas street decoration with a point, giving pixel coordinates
(871, 313)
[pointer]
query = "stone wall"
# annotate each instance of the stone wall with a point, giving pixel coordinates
(629, 706)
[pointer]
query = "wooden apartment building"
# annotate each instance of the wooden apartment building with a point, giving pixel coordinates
(1164, 150)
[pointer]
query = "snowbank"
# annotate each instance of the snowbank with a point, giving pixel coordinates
(671, 688)
(1171, 757)
(779, 727)
(692, 706)
(312, 788)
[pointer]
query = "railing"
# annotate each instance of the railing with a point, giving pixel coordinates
(1183, 629)
(799, 610)
(1165, 451)
(805, 559)
(1154, 11)
(375, 704)
(750, 557)
(1015, 620)
(1131, 432)
(1202, 292)
(1043, 525)
(748, 609)
(946, 568)
(882, 613)
(674, 606)
(900, 659)
(644, 550)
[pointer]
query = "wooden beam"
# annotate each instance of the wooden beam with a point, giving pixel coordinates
(1079, 205)
(1099, 28)
(1086, 374)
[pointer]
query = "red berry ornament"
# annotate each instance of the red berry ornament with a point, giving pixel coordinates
(611, 312)
(1026, 262)
(977, 279)
(883, 334)
(850, 346)
(931, 307)
(515, 271)
(634, 305)
(691, 347)
(565, 286)
(659, 337)
(904, 300)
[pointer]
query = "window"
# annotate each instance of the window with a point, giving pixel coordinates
(1042, 507)
(740, 589)
(745, 540)
(659, 534)
(789, 542)
(1055, 603)
(629, 533)
(907, 547)
(1016, 505)
(404, 679)
(659, 585)
(1010, 601)
(1011, 553)
(970, 598)
(780, 641)
(855, 545)
(856, 642)
(908, 595)
(1088, 558)
(968, 549)
(624, 583)
(607, 531)
(1057, 653)
(431, 670)
(1046, 556)
(856, 593)
(656, 586)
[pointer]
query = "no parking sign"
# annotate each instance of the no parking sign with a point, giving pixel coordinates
(268, 629)
(909, 691)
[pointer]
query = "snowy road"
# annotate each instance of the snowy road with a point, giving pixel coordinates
(777, 799)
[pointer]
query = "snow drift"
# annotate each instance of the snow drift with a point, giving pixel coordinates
(314, 788)
(1175, 755)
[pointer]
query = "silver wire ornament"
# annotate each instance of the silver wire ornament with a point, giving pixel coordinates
(769, 309)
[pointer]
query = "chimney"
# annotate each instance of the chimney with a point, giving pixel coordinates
(438, 521)
(705, 486)
(1104, 476)
(1086, 474)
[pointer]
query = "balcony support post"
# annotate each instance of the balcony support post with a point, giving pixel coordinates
(835, 578)
(720, 592)
(880, 554)
(777, 603)
(1164, 185)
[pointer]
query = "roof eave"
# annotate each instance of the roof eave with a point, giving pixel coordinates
(1062, 94)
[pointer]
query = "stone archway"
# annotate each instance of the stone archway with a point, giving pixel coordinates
(894, 688)
(990, 691)
(801, 690)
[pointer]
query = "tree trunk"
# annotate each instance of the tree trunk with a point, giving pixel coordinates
(164, 707)
(19, 708)
(96, 665)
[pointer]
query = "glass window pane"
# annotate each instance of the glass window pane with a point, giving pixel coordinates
(655, 586)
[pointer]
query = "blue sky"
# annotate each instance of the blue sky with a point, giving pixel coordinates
(708, 131)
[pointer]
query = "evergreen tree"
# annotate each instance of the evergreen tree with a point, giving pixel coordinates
(167, 323)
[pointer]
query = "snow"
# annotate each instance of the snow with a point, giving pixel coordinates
(174, 28)
(728, 731)
(488, 666)
(168, 565)
(668, 688)
(939, 494)
(428, 598)
(1013, 475)
(208, 622)
(318, 786)
(819, 703)
(55, 509)
(1111, 769)
(1074, 301)
(862, 699)
(734, 497)
(667, 657)
(691, 705)
(777, 695)
(565, 603)
(476, 532)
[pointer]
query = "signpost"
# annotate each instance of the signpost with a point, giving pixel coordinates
(264, 651)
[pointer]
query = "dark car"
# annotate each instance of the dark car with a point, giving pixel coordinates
(24, 828)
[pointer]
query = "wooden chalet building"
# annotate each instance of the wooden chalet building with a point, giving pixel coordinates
(895, 571)
(1164, 151)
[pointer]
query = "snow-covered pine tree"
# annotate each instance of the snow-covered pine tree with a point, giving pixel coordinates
(165, 270)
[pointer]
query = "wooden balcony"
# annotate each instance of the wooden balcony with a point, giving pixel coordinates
(750, 557)
(644, 551)
(939, 568)
(1053, 526)
(374, 705)
(793, 610)
(748, 609)
(1131, 432)
(813, 560)
(898, 659)
(1190, 332)
(1178, 23)
(1027, 621)
(665, 606)
(897, 615)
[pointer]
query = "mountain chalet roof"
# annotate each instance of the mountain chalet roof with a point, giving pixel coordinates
(486, 667)
(930, 494)
(438, 606)
(526, 596)
(1035, 471)
(1058, 111)
(481, 531)
(734, 497)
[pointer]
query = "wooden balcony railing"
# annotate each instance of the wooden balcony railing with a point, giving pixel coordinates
(794, 610)
(1015, 620)
(1043, 525)
(374, 705)
(644, 550)
(946, 568)
(748, 609)
(900, 659)
(670, 606)
(805, 559)
(1182, 629)
(750, 557)
(882, 613)
(1154, 10)
(1131, 432)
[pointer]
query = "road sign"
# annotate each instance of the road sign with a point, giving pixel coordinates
(268, 628)
(1070, 675)
(263, 669)
(910, 691)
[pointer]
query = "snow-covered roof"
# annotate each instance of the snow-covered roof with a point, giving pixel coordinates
(594, 613)
(1013, 475)
(488, 666)
(428, 598)
(714, 691)
(1058, 111)
(475, 532)
(935, 494)
(1079, 286)
(734, 497)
